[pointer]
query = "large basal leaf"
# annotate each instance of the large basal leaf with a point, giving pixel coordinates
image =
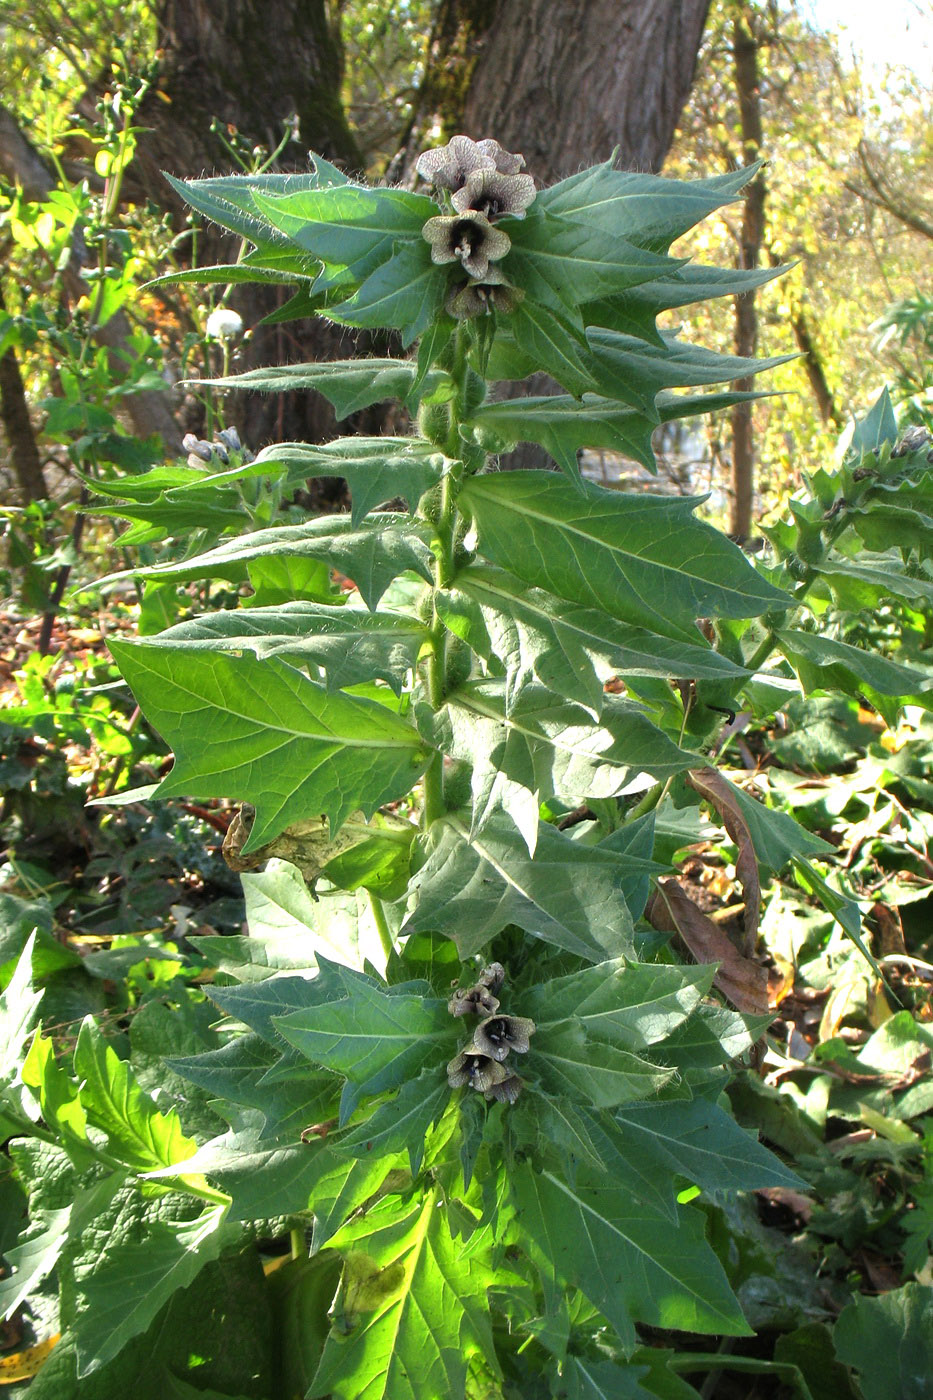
(644, 559)
(377, 469)
(546, 747)
(59, 1097)
(629, 1005)
(825, 664)
(288, 927)
(348, 384)
(471, 887)
(377, 1039)
(44, 1239)
(349, 644)
(700, 1141)
(569, 649)
(31, 1260)
(19, 1012)
(411, 1318)
(888, 1340)
(627, 1259)
(583, 1378)
(259, 731)
(121, 1295)
(372, 553)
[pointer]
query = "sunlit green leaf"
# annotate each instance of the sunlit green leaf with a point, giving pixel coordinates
(260, 731)
(376, 1039)
(372, 553)
(644, 559)
(825, 664)
(349, 644)
(137, 1133)
(377, 469)
(630, 1262)
(471, 887)
(570, 649)
(411, 1316)
(349, 384)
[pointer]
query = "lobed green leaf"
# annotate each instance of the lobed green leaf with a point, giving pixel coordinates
(261, 732)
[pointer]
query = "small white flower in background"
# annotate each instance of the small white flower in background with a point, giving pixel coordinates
(224, 324)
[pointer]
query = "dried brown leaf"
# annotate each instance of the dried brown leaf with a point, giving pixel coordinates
(715, 789)
(743, 982)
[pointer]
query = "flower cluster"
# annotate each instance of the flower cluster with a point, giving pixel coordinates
(481, 1063)
(483, 184)
(225, 450)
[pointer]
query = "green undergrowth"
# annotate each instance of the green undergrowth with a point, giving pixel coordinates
(577, 1042)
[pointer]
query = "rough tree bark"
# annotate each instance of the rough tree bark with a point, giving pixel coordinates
(256, 65)
(745, 42)
(565, 82)
(17, 426)
(261, 67)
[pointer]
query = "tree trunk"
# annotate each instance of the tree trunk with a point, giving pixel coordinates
(816, 374)
(256, 67)
(566, 82)
(253, 66)
(17, 425)
(745, 58)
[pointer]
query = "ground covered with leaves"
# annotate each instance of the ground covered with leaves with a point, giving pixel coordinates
(136, 911)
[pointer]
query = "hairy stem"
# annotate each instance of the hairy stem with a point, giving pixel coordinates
(382, 927)
(443, 547)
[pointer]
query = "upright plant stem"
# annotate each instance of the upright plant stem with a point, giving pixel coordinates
(443, 546)
(382, 927)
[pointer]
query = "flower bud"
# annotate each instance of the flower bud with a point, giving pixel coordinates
(492, 977)
(472, 1001)
(223, 324)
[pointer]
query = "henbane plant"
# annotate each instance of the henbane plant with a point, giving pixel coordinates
(490, 1106)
